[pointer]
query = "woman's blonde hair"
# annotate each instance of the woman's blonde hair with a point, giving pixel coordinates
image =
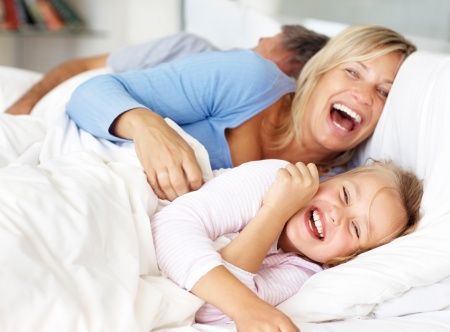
(409, 190)
(356, 43)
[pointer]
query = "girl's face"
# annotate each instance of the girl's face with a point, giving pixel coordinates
(347, 102)
(349, 212)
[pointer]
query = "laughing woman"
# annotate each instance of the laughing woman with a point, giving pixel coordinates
(242, 108)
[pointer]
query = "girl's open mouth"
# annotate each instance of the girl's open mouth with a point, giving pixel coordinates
(316, 225)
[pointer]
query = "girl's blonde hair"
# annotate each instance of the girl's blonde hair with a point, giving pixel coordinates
(356, 43)
(409, 190)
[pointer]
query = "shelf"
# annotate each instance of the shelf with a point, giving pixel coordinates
(65, 32)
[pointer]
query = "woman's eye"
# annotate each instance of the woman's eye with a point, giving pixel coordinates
(383, 93)
(356, 230)
(346, 197)
(353, 73)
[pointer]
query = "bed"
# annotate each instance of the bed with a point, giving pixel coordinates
(76, 247)
(77, 250)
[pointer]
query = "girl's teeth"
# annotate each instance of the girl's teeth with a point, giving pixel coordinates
(318, 223)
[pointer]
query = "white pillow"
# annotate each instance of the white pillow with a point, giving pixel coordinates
(13, 83)
(414, 132)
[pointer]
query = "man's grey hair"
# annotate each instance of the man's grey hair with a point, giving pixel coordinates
(302, 41)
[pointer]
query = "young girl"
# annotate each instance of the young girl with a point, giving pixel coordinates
(288, 225)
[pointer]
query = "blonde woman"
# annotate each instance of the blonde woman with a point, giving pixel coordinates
(241, 107)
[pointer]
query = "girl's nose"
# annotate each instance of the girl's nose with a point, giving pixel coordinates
(339, 215)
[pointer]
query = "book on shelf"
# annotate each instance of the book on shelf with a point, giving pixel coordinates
(45, 15)
(67, 13)
(10, 19)
(49, 15)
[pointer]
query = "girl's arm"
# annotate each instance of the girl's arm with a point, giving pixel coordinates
(293, 187)
(251, 314)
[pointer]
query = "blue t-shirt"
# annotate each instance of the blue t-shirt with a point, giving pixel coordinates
(204, 94)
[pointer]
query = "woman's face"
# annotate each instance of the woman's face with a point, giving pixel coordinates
(348, 100)
(349, 212)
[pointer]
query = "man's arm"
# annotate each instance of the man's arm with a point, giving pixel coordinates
(57, 75)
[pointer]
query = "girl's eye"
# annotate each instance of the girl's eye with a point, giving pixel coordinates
(353, 73)
(356, 230)
(346, 196)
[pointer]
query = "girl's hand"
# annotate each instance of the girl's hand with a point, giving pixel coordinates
(293, 188)
(264, 318)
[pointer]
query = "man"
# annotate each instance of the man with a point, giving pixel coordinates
(289, 50)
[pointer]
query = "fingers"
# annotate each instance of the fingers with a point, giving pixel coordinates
(303, 171)
(314, 171)
(193, 173)
(153, 182)
(176, 181)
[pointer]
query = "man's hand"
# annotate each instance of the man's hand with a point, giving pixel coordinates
(168, 160)
(292, 189)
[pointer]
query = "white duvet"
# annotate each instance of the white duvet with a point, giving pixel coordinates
(75, 242)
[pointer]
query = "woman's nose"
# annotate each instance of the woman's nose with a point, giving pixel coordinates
(364, 94)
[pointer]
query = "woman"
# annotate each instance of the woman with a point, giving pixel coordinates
(242, 108)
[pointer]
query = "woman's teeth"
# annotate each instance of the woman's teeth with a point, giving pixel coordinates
(355, 116)
(317, 223)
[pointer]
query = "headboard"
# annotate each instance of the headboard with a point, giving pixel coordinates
(227, 23)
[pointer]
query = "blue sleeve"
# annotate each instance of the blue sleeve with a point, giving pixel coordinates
(157, 51)
(221, 85)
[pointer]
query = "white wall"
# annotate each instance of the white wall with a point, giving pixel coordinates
(427, 23)
(115, 23)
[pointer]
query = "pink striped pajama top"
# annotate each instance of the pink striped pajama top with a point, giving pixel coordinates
(184, 233)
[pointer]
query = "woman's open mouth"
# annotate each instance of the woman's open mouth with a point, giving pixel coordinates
(344, 118)
(315, 224)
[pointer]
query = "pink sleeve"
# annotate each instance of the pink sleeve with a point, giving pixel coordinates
(280, 277)
(184, 231)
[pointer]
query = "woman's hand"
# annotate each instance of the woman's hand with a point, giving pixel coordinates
(292, 189)
(168, 161)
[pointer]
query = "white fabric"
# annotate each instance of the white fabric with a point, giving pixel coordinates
(76, 245)
(13, 83)
(413, 131)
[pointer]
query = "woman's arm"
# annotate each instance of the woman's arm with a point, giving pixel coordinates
(294, 186)
(54, 77)
(121, 106)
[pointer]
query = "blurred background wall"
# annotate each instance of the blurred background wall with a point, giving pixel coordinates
(111, 24)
